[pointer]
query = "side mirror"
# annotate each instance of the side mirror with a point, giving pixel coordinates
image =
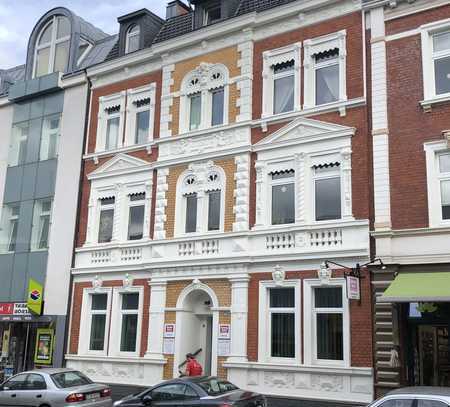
(147, 400)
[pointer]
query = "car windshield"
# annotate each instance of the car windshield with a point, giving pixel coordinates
(64, 380)
(215, 387)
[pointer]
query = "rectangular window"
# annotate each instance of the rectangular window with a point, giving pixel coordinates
(50, 138)
(441, 58)
(112, 133)
(328, 312)
(283, 87)
(282, 322)
(106, 222)
(18, 145)
(142, 127)
(41, 224)
(283, 197)
(136, 216)
(327, 188)
(217, 96)
(212, 15)
(9, 227)
(214, 210)
(444, 176)
(327, 76)
(195, 115)
(129, 311)
(99, 303)
(191, 213)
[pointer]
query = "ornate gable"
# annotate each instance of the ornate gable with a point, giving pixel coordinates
(119, 165)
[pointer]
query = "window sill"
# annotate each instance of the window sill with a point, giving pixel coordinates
(427, 104)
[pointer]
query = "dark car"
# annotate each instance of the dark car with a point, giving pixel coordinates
(201, 391)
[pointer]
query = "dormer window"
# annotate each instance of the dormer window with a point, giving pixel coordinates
(212, 14)
(133, 39)
(52, 48)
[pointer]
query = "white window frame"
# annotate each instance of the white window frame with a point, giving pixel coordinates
(106, 103)
(336, 173)
(432, 152)
(282, 181)
(428, 57)
(274, 57)
(203, 80)
(52, 44)
(35, 229)
(130, 35)
(86, 321)
(116, 323)
(310, 328)
(264, 324)
(318, 45)
(133, 97)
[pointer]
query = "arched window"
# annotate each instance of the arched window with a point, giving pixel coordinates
(132, 40)
(52, 47)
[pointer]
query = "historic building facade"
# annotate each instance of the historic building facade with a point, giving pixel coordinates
(223, 165)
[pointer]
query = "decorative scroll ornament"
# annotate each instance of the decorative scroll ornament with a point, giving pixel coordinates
(278, 275)
(324, 274)
(97, 283)
(127, 282)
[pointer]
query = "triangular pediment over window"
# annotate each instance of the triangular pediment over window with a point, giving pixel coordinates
(120, 164)
(303, 130)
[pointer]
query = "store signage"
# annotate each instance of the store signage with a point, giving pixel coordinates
(353, 288)
(224, 331)
(14, 308)
(43, 354)
(34, 299)
(169, 330)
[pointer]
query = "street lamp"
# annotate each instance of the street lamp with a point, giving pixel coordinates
(355, 271)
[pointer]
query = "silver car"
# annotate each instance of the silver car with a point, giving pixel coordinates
(415, 397)
(54, 388)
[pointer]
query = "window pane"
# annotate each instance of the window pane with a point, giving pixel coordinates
(328, 297)
(99, 302)
(130, 301)
(191, 213)
(9, 227)
(217, 106)
(35, 382)
(328, 198)
(41, 224)
(196, 111)
(106, 225)
(50, 137)
(282, 297)
(169, 392)
(15, 383)
(430, 403)
(63, 27)
(398, 403)
(18, 146)
(283, 335)
(136, 223)
(133, 37)
(129, 332)
(61, 56)
(214, 210)
(283, 91)
(330, 337)
(283, 204)
(42, 60)
(441, 42)
(142, 127)
(98, 323)
(46, 35)
(112, 133)
(442, 72)
(212, 15)
(327, 84)
(444, 163)
(445, 199)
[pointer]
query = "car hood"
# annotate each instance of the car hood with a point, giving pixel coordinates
(239, 395)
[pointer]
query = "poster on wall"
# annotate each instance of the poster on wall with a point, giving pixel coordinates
(169, 346)
(44, 347)
(224, 331)
(5, 343)
(353, 289)
(223, 347)
(169, 330)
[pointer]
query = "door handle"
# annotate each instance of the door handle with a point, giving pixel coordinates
(13, 395)
(39, 396)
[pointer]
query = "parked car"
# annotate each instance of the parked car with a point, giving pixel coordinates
(54, 388)
(415, 397)
(201, 391)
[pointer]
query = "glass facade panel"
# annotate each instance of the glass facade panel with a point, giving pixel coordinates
(41, 224)
(9, 228)
(18, 146)
(50, 138)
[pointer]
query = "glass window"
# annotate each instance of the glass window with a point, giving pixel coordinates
(50, 138)
(63, 27)
(216, 387)
(191, 213)
(329, 323)
(217, 106)
(15, 383)
(169, 392)
(445, 199)
(98, 321)
(398, 403)
(282, 322)
(42, 62)
(142, 127)
(441, 56)
(18, 146)
(214, 210)
(133, 39)
(61, 56)
(35, 382)
(41, 224)
(72, 378)
(328, 198)
(212, 15)
(444, 163)
(9, 227)
(430, 403)
(46, 35)
(136, 216)
(195, 111)
(106, 223)
(283, 198)
(130, 306)
(327, 76)
(444, 179)
(112, 133)
(283, 87)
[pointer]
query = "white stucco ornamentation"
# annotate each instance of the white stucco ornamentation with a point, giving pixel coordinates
(278, 275)
(97, 283)
(241, 193)
(245, 82)
(161, 203)
(324, 274)
(166, 101)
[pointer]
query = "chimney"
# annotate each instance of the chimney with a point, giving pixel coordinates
(176, 8)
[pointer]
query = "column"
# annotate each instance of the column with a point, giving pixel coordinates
(239, 316)
(156, 320)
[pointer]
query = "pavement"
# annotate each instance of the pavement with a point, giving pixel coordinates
(120, 391)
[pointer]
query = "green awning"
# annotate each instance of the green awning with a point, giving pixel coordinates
(418, 287)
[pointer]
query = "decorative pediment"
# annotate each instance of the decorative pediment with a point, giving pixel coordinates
(304, 130)
(120, 164)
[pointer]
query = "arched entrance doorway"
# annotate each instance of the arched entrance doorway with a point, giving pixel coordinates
(196, 327)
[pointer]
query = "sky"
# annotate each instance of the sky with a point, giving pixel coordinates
(18, 17)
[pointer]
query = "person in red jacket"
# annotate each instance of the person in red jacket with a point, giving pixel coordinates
(193, 368)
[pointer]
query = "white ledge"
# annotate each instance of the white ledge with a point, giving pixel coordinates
(88, 358)
(428, 103)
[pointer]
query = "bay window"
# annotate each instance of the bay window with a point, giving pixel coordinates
(41, 224)
(9, 227)
(106, 220)
(136, 216)
(129, 321)
(327, 192)
(50, 137)
(98, 321)
(283, 87)
(282, 322)
(18, 145)
(283, 197)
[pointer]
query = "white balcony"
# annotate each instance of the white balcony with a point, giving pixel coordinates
(332, 240)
